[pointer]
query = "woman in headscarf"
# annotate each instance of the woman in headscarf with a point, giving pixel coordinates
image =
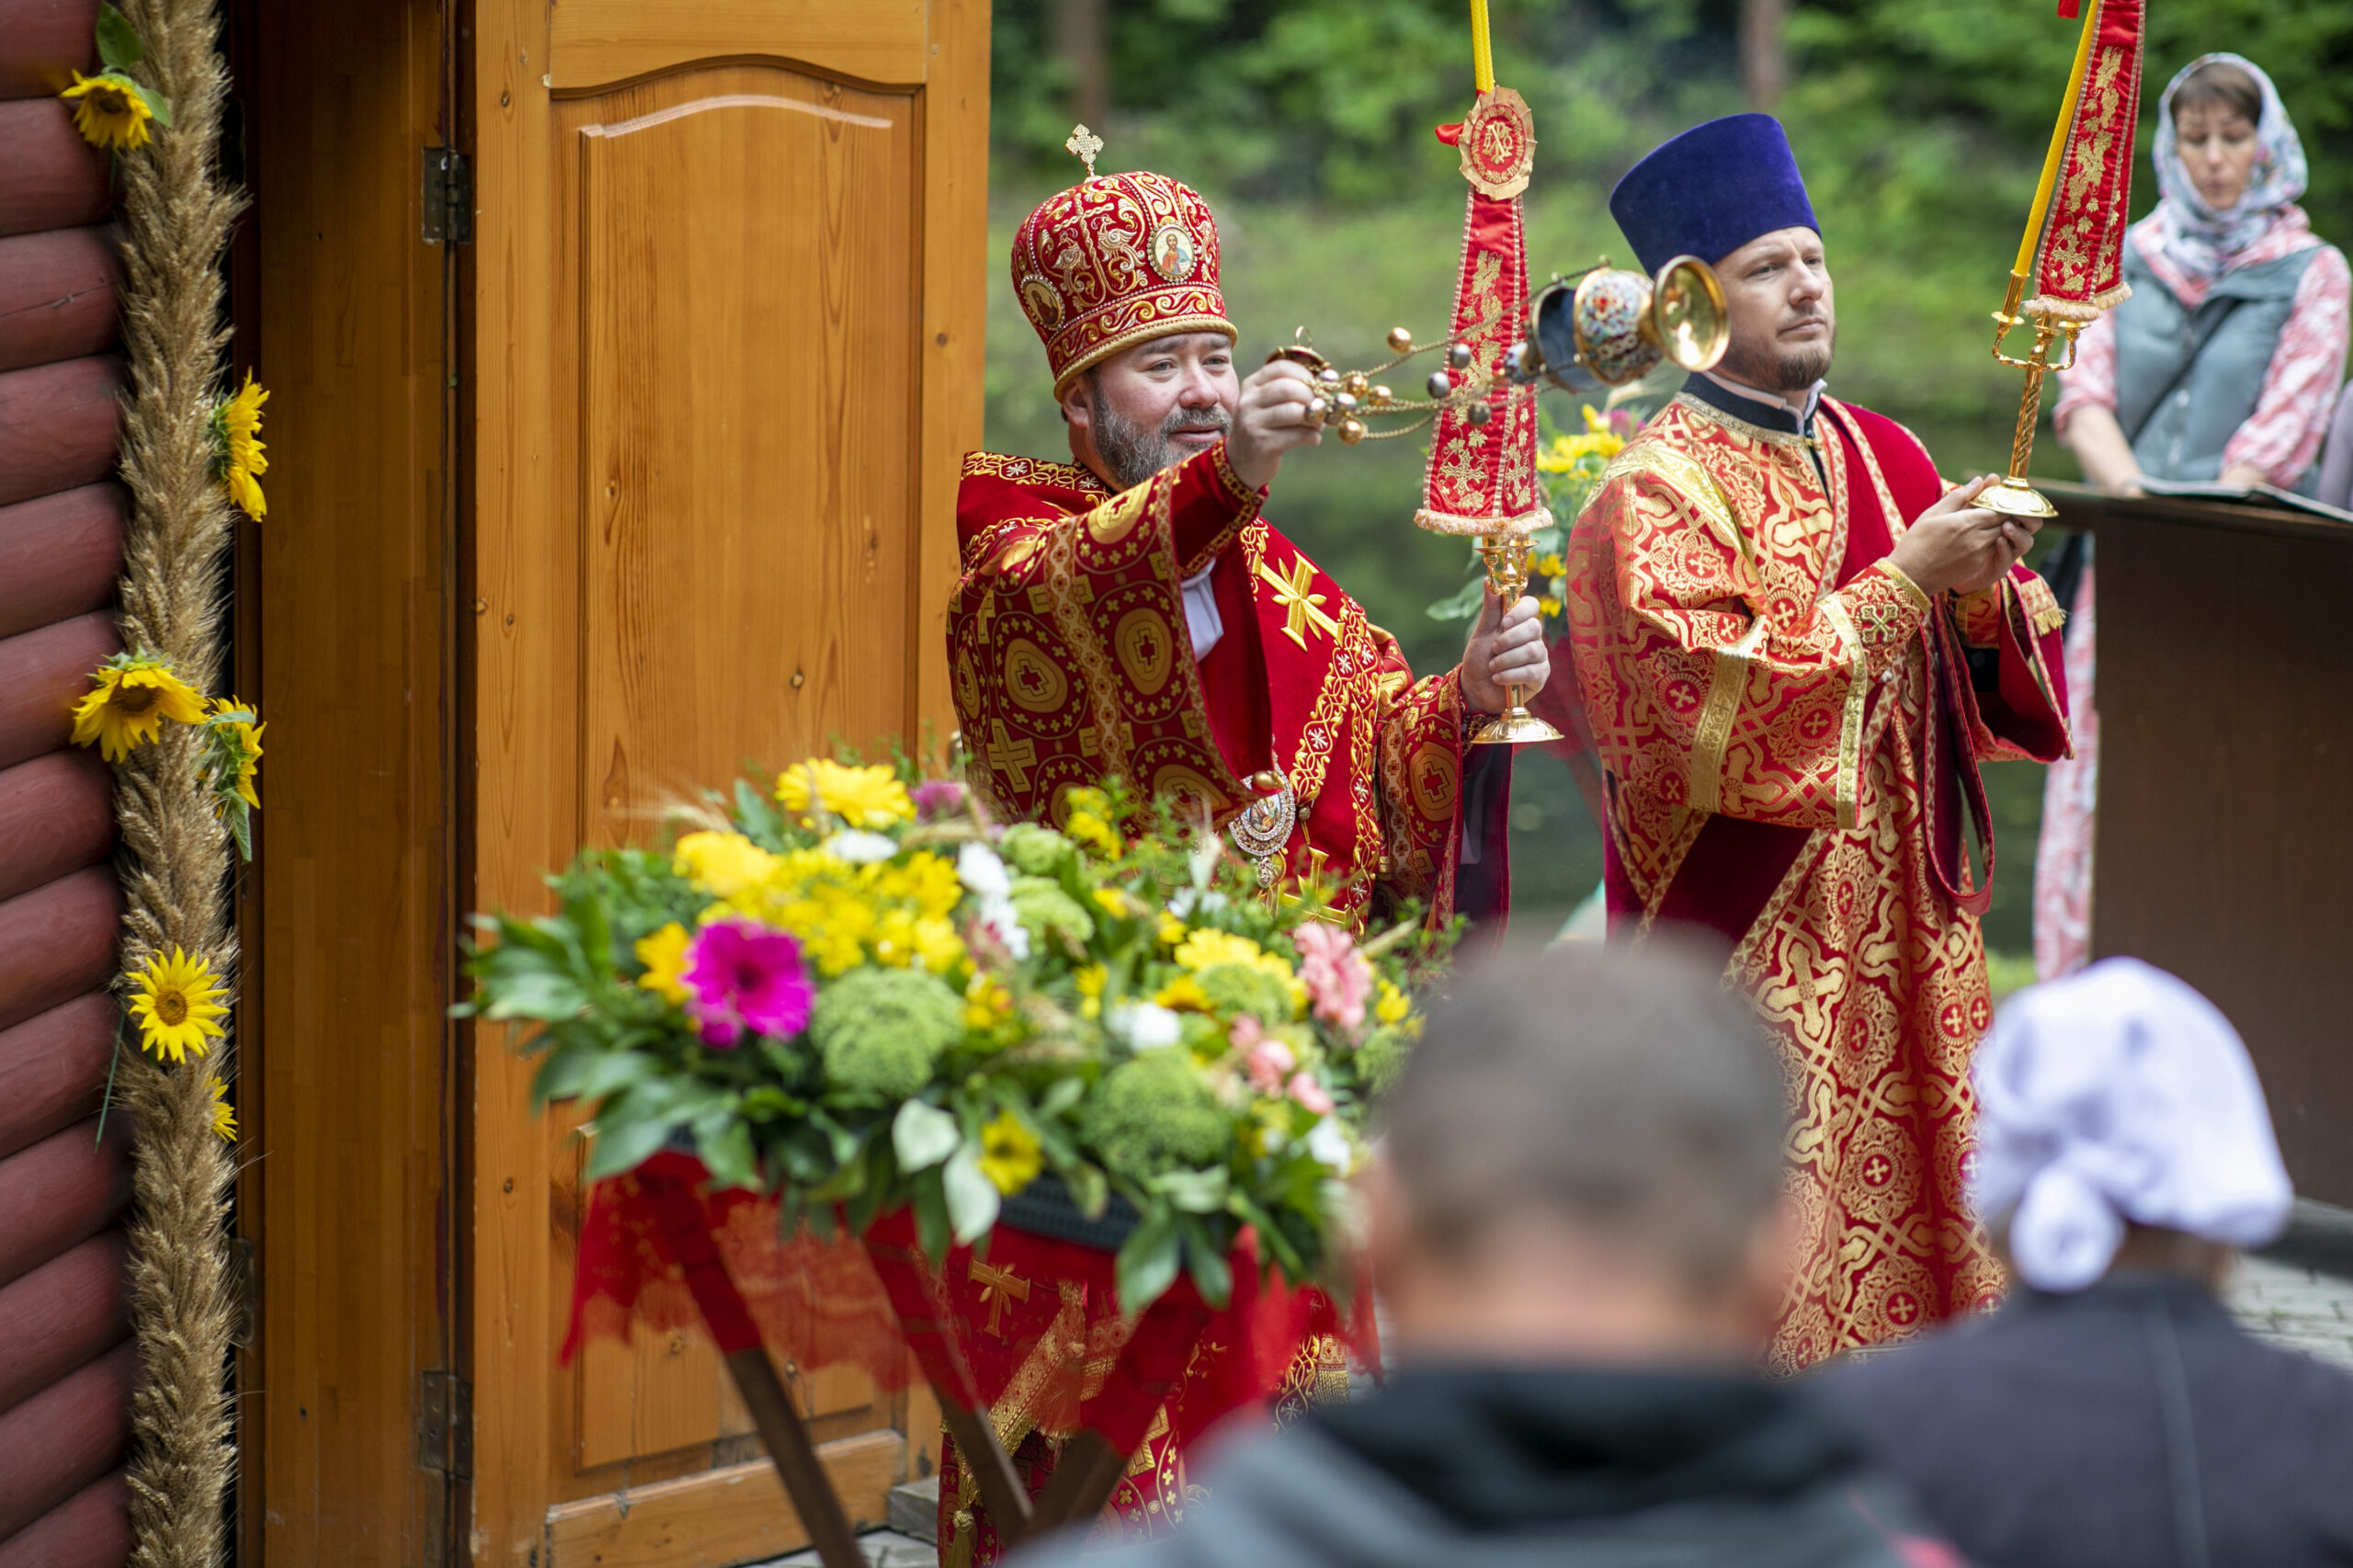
(2112, 1414)
(2223, 364)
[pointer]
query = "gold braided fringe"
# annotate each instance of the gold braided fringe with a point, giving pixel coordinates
(175, 853)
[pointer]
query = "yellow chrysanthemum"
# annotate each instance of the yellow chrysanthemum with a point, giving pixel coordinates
(904, 939)
(224, 1119)
(109, 111)
(1567, 452)
(237, 460)
(664, 954)
(175, 1001)
(1090, 829)
(1172, 930)
(1090, 981)
(727, 865)
(1183, 994)
(249, 748)
(862, 797)
(1010, 1155)
(130, 703)
(987, 1002)
(1207, 949)
(925, 880)
(1390, 1004)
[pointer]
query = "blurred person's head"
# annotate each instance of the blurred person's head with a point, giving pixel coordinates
(2121, 1127)
(2215, 113)
(1583, 1163)
(2229, 164)
(1729, 192)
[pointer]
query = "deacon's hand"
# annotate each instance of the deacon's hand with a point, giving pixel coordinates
(1506, 648)
(1270, 420)
(1956, 545)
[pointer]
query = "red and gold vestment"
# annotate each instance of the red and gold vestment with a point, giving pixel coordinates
(1792, 731)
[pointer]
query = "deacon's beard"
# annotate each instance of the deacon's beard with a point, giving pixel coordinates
(1134, 453)
(1776, 369)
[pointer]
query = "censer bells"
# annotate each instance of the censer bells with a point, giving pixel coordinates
(1604, 327)
(1346, 400)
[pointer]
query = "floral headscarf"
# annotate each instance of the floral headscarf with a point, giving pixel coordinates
(2198, 240)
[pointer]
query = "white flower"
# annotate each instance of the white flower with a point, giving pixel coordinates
(1329, 1144)
(996, 913)
(859, 848)
(1189, 900)
(1146, 1026)
(978, 867)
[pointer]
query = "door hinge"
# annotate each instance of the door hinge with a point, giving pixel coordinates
(445, 1426)
(448, 197)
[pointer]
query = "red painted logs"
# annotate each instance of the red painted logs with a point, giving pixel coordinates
(57, 942)
(53, 1069)
(60, 555)
(42, 675)
(89, 1530)
(57, 295)
(51, 178)
(64, 1437)
(65, 424)
(62, 1191)
(66, 1314)
(47, 41)
(56, 816)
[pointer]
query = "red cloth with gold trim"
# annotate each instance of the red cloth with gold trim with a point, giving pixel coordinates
(1791, 732)
(1115, 261)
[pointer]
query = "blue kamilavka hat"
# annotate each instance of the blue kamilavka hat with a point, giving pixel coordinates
(1710, 190)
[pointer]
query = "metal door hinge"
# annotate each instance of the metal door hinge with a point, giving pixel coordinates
(445, 1426)
(448, 197)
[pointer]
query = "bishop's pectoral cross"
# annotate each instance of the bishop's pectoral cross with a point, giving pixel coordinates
(997, 1286)
(1301, 609)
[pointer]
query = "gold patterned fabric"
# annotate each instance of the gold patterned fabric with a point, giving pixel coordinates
(1765, 689)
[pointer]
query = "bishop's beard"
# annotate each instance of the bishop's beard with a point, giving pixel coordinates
(1772, 367)
(1134, 453)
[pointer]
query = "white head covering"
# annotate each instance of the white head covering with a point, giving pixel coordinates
(2120, 1094)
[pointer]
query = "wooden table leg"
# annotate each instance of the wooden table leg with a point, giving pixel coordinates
(1085, 1476)
(795, 1458)
(1002, 1493)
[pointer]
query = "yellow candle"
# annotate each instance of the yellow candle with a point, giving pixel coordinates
(1483, 53)
(2058, 139)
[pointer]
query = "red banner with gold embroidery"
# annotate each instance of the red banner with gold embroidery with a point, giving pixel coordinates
(2086, 193)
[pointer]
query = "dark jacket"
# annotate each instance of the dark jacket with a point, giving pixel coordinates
(1513, 1468)
(2132, 1423)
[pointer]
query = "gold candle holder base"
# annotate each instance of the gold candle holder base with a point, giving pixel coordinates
(1507, 559)
(2014, 497)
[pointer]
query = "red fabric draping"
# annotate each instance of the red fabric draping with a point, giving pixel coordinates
(1029, 1321)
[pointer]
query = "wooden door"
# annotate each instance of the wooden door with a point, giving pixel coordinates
(728, 283)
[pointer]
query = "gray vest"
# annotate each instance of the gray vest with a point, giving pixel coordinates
(2177, 420)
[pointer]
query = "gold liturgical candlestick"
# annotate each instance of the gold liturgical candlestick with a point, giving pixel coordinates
(1505, 557)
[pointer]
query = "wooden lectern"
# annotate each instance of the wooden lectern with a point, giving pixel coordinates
(2225, 839)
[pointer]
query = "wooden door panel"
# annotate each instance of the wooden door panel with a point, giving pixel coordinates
(597, 44)
(748, 347)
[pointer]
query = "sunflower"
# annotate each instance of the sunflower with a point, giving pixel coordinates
(135, 693)
(1010, 1155)
(175, 1002)
(111, 111)
(237, 460)
(225, 1115)
(862, 797)
(239, 741)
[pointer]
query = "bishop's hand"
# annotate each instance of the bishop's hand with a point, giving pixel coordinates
(1507, 649)
(1270, 419)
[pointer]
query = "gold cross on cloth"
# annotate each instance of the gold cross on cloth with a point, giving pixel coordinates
(997, 1286)
(1314, 882)
(1301, 609)
(1083, 145)
(1008, 756)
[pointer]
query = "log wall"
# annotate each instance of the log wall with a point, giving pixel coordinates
(66, 1364)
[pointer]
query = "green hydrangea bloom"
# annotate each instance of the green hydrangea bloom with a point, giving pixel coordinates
(1383, 1056)
(883, 1030)
(1234, 989)
(1154, 1113)
(1041, 907)
(1039, 851)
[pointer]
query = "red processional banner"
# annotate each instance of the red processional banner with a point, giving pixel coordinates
(2079, 261)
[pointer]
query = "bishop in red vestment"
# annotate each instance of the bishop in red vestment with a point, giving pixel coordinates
(1795, 643)
(1131, 613)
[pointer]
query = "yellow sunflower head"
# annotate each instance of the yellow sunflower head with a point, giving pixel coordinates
(869, 798)
(1009, 1154)
(133, 695)
(175, 1001)
(111, 111)
(240, 743)
(237, 447)
(224, 1117)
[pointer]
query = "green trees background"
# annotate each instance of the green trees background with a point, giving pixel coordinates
(1920, 126)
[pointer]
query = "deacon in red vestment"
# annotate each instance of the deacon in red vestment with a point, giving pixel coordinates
(1130, 613)
(1795, 643)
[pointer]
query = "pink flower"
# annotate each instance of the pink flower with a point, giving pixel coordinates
(1268, 1062)
(937, 798)
(741, 976)
(1337, 979)
(1309, 1092)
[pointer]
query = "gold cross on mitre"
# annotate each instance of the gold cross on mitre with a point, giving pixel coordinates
(1083, 145)
(998, 1285)
(1301, 609)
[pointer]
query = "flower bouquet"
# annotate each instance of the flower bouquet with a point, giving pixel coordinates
(855, 994)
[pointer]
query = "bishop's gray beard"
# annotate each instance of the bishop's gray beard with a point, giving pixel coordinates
(1779, 369)
(1134, 453)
